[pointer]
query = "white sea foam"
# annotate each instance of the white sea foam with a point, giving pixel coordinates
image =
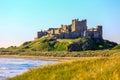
(12, 67)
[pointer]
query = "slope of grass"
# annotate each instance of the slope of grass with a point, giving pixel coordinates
(117, 47)
(72, 40)
(85, 69)
(45, 44)
(96, 53)
(52, 47)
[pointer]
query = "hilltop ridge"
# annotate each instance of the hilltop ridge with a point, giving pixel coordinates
(46, 46)
(79, 44)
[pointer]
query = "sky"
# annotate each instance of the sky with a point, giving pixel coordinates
(20, 20)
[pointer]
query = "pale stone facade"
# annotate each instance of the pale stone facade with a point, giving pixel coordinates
(75, 30)
(79, 25)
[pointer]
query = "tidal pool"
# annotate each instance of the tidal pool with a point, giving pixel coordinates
(10, 67)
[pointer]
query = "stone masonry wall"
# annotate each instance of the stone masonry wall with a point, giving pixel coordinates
(75, 30)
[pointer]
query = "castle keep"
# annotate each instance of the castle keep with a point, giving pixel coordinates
(74, 30)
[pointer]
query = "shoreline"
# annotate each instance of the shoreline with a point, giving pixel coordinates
(3, 78)
(51, 58)
(42, 57)
(59, 59)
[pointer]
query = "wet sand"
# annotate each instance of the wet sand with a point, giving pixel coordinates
(40, 57)
(60, 59)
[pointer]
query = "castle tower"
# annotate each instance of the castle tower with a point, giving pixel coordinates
(79, 25)
(100, 32)
(73, 28)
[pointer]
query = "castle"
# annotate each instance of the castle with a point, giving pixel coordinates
(75, 30)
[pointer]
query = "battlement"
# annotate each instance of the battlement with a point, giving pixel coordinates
(77, 20)
(79, 25)
(74, 30)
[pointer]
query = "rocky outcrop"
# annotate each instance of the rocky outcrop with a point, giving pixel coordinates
(91, 45)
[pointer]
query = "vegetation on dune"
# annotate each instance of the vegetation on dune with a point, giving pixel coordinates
(60, 48)
(103, 53)
(105, 67)
(44, 44)
(117, 47)
(84, 69)
(48, 44)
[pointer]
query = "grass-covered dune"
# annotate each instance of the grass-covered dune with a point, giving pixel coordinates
(47, 44)
(116, 47)
(85, 69)
(96, 53)
(79, 44)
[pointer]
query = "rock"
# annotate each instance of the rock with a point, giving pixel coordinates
(75, 46)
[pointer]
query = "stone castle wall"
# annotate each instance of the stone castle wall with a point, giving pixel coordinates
(40, 34)
(79, 25)
(94, 32)
(75, 30)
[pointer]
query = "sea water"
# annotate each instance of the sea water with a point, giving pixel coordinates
(10, 67)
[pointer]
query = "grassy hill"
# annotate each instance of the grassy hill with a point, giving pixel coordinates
(85, 69)
(46, 46)
(79, 44)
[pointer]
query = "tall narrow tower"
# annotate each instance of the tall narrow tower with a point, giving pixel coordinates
(100, 32)
(79, 25)
(74, 22)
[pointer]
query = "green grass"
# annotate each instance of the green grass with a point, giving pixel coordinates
(84, 69)
(89, 53)
(103, 64)
(96, 53)
(117, 47)
(45, 44)
(72, 40)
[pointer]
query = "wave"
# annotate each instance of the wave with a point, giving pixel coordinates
(12, 67)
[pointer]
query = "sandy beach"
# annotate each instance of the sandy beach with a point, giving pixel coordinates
(40, 57)
(47, 58)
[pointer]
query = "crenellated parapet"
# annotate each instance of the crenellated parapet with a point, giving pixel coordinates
(74, 30)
